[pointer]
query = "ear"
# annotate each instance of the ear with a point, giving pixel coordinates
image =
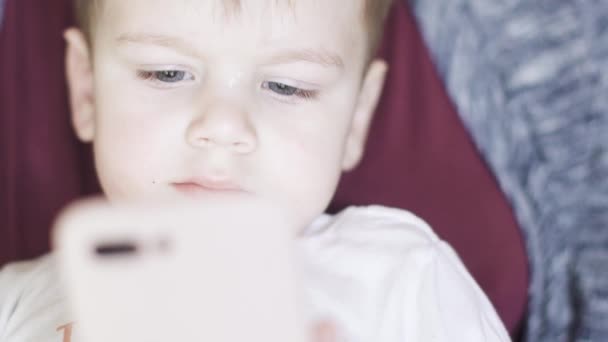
(369, 96)
(79, 72)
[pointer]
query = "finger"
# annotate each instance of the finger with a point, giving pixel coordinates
(325, 332)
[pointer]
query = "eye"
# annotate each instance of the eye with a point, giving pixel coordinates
(170, 76)
(165, 76)
(287, 91)
(282, 89)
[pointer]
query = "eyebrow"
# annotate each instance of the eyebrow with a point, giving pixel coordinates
(321, 57)
(158, 40)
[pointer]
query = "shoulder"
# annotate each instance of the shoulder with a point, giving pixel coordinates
(366, 219)
(386, 276)
(20, 272)
(385, 238)
(372, 229)
(31, 301)
(22, 280)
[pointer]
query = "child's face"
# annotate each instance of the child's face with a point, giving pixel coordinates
(190, 98)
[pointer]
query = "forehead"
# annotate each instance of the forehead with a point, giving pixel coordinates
(335, 24)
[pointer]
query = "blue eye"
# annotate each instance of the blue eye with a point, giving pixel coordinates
(164, 76)
(282, 89)
(287, 91)
(170, 76)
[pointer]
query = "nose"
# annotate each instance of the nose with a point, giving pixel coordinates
(223, 125)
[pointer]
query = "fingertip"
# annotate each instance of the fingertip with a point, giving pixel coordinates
(325, 332)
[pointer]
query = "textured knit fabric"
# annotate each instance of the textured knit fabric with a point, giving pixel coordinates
(530, 81)
(1, 12)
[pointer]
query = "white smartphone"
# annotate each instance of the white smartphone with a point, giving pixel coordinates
(217, 272)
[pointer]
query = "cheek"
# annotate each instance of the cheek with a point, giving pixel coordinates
(122, 161)
(306, 166)
(313, 174)
(131, 153)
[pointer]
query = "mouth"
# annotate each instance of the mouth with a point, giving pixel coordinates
(200, 186)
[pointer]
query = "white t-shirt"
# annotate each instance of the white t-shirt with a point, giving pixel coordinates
(380, 274)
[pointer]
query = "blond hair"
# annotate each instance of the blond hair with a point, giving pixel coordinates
(374, 15)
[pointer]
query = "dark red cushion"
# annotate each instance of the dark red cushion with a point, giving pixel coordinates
(419, 155)
(43, 165)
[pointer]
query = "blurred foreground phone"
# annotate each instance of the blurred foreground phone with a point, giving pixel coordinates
(182, 272)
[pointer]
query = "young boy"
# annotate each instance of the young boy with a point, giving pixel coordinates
(257, 98)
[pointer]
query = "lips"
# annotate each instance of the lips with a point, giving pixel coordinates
(196, 186)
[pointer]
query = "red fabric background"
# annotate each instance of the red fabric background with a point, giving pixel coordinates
(42, 165)
(419, 155)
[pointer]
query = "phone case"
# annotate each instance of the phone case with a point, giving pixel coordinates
(181, 272)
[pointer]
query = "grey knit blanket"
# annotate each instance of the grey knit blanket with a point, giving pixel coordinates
(530, 82)
(1, 12)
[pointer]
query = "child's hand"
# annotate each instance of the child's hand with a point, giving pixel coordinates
(325, 332)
